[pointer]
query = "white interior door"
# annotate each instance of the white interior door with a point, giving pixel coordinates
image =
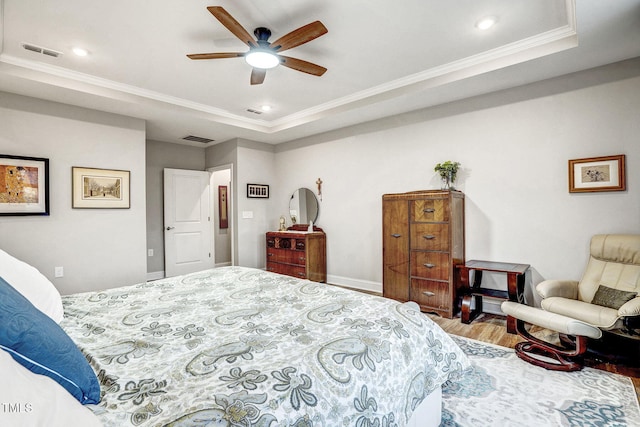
(187, 226)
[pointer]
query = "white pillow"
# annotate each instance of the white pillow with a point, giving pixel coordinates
(32, 285)
(30, 399)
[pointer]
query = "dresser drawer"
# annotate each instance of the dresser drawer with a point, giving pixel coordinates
(288, 269)
(430, 237)
(430, 210)
(287, 256)
(430, 265)
(430, 293)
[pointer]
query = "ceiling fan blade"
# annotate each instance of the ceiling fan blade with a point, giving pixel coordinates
(300, 36)
(258, 75)
(215, 55)
(300, 65)
(232, 25)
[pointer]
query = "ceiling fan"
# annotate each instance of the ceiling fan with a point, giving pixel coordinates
(263, 54)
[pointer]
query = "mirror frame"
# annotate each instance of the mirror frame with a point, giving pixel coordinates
(307, 192)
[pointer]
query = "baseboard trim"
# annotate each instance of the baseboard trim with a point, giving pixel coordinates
(347, 282)
(155, 275)
(222, 264)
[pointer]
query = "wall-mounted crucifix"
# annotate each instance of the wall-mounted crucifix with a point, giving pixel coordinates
(319, 182)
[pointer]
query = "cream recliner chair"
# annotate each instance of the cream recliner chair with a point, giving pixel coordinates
(605, 298)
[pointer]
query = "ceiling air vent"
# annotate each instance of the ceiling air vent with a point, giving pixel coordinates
(42, 50)
(197, 139)
(251, 110)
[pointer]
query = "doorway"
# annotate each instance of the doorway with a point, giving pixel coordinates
(221, 186)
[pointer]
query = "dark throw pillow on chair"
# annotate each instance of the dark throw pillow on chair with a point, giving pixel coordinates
(612, 298)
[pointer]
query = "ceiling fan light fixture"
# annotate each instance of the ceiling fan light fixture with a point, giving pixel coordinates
(262, 58)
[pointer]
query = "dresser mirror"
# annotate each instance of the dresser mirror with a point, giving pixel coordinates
(303, 206)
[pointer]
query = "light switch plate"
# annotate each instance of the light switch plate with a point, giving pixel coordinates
(247, 214)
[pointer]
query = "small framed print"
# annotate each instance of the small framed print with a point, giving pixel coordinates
(257, 191)
(100, 188)
(597, 174)
(24, 185)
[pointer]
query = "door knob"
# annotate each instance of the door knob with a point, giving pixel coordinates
(170, 228)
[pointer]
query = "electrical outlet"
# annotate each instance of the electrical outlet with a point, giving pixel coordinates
(59, 272)
(150, 252)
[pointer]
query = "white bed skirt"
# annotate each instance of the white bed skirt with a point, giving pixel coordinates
(429, 412)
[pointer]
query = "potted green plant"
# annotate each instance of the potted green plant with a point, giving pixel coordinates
(448, 171)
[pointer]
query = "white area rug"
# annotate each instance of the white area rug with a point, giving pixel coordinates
(502, 390)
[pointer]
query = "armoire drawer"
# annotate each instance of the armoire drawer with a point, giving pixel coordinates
(430, 265)
(430, 293)
(430, 237)
(430, 210)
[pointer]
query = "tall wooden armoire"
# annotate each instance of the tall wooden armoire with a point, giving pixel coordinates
(423, 241)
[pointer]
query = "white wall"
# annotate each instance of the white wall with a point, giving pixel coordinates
(255, 166)
(253, 163)
(514, 147)
(98, 248)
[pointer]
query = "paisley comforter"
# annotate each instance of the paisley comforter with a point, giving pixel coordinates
(235, 346)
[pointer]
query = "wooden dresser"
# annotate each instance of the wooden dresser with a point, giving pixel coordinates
(297, 253)
(423, 241)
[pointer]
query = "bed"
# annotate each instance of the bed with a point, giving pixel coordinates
(236, 346)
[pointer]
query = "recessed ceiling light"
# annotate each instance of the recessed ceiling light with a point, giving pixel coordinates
(80, 51)
(486, 23)
(266, 108)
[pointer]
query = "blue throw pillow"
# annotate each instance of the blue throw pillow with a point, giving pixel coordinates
(39, 344)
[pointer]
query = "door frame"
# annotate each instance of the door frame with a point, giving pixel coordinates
(231, 207)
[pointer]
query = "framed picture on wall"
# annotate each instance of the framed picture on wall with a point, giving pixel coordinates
(223, 207)
(100, 188)
(597, 174)
(259, 191)
(24, 185)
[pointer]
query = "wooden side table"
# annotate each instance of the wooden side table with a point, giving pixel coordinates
(515, 287)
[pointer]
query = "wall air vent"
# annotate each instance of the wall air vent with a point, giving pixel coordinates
(251, 110)
(198, 139)
(42, 50)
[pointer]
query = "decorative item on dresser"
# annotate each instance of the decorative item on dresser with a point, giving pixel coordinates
(298, 253)
(423, 241)
(448, 171)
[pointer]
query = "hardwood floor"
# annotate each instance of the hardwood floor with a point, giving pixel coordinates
(492, 329)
